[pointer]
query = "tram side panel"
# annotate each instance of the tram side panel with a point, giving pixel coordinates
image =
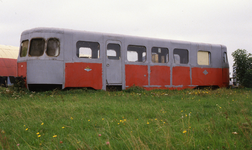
(225, 77)
(136, 75)
(181, 77)
(207, 70)
(85, 67)
(225, 66)
(160, 75)
(207, 76)
(81, 74)
(22, 71)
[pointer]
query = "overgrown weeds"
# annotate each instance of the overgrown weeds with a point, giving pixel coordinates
(134, 119)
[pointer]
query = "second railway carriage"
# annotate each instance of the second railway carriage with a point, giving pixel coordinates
(8, 64)
(68, 58)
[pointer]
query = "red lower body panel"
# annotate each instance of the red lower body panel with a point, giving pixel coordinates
(22, 69)
(160, 75)
(225, 77)
(136, 75)
(83, 75)
(181, 76)
(207, 76)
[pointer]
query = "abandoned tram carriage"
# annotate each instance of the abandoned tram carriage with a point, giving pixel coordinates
(67, 58)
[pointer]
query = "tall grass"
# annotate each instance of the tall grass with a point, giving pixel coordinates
(133, 119)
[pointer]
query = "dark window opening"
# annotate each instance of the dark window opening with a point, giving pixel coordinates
(136, 53)
(53, 47)
(225, 60)
(180, 56)
(24, 48)
(37, 47)
(113, 51)
(159, 55)
(87, 49)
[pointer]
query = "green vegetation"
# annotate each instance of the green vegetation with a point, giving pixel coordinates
(243, 67)
(158, 119)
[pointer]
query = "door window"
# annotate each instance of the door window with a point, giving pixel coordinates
(113, 51)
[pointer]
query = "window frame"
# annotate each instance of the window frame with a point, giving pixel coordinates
(21, 48)
(225, 58)
(166, 56)
(30, 46)
(47, 46)
(180, 56)
(137, 46)
(209, 58)
(78, 46)
(117, 52)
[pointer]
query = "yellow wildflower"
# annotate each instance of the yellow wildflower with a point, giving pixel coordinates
(42, 123)
(71, 118)
(88, 119)
(39, 135)
(184, 131)
(55, 136)
(63, 127)
(148, 122)
(26, 129)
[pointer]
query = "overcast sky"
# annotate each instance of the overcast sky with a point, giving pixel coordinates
(227, 22)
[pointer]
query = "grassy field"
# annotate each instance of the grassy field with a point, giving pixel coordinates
(136, 119)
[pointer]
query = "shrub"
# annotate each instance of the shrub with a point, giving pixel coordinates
(136, 89)
(242, 67)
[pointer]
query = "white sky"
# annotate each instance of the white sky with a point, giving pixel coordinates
(227, 22)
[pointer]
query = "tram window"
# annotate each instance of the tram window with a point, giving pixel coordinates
(225, 60)
(113, 51)
(159, 55)
(53, 47)
(87, 49)
(24, 47)
(37, 47)
(181, 56)
(136, 53)
(203, 58)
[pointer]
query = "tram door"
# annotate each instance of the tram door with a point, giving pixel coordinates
(113, 63)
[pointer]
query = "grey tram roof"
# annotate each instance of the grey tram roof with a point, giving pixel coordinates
(71, 31)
